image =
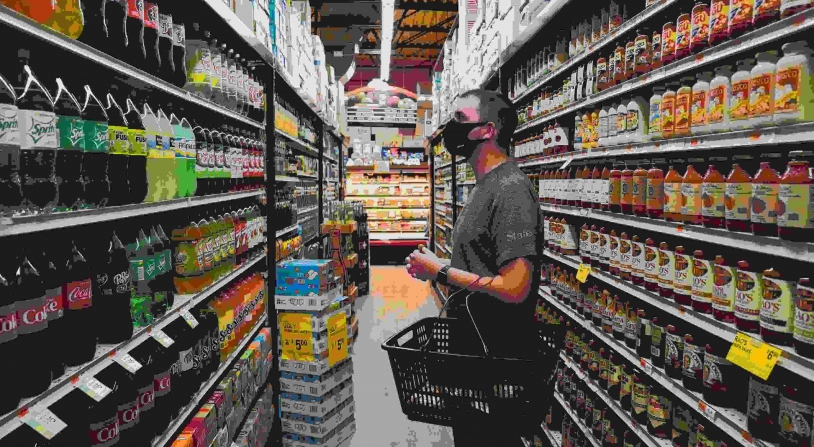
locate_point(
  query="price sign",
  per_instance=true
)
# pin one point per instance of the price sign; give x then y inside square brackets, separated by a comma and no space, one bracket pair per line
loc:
[296,337]
[708,411]
[189,318]
[46,423]
[753,355]
[583,272]
[94,388]
[162,338]
[128,362]
[337,338]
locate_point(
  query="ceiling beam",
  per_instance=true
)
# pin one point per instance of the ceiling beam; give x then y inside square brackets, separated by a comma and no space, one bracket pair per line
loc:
[419,28]
[434,5]
[396,46]
[343,21]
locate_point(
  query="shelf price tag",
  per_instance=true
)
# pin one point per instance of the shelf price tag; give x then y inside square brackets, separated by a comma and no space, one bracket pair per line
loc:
[583,272]
[94,388]
[46,423]
[296,337]
[189,318]
[708,411]
[128,362]
[337,338]
[162,338]
[753,355]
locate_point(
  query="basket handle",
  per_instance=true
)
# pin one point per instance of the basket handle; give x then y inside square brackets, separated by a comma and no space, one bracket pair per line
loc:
[446,301]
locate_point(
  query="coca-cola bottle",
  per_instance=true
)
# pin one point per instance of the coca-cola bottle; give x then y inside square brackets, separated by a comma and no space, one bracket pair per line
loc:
[32,332]
[8,340]
[161,359]
[51,272]
[118,154]
[11,197]
[183,370]
[145,431]
[115,14]
[121,378]
[152,63]
[71,134]
[94,33]
[95,158]
[91,415]
[115,284]
[134,28]
[80,321]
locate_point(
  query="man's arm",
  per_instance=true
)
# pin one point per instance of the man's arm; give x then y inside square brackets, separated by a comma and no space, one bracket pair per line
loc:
[512,285]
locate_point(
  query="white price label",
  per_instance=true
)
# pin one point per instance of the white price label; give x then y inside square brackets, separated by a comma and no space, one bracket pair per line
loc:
[189,318]
[94,388]
[46,423]
[162,338]
[708,411]
[128,362]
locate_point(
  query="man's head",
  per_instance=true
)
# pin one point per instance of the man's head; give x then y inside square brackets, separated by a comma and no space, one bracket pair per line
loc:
[480,116]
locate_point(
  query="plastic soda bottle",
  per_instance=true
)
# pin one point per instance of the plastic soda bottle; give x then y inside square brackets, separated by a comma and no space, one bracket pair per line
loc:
[137,164]
[71,131]
[190,159]
[119,154]
[10,195]
[155,150]
[198,62]
[134,28]
[167,169]
[95,159]
[178,144]
[67,18]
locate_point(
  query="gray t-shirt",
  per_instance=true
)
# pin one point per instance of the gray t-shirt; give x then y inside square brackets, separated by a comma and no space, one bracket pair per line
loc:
[500,222]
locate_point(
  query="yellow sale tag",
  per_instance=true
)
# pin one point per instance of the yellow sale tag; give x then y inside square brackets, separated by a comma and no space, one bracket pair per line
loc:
[337,338]
[582,273]
[296,336]
[753,355]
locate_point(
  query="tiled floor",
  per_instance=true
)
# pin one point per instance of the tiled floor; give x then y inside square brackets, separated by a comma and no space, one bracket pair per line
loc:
[396,301]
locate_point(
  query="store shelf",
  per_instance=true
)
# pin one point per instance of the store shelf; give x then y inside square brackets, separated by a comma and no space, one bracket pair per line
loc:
[307,209]
[771,33]
[206,387]
[467,183]
[790,361]
[587,431]
[298,178]
[731,421]
[393,236]
[373,208]
[554,437]
[32,224]
[536,24]
[594,48]
[800,251]
[444,165]
[389,195]
[443,248]
[19,22]
[286,230]
[766,136]
[398,219]
[302,146]
[624,416]
[105,353]
[393,167]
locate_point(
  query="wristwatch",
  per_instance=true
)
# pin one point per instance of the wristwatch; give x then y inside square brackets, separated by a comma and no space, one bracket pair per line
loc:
[443,276]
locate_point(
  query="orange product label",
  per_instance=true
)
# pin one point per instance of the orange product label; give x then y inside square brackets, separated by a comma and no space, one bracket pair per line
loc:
[619,62]
[761,99]
[627,192]
[699,108]
[642,50]
[655,193]
[602,72]
[740,13]
[668,40]
[672,197]
[700,26]
[739,101]
[691,202]
[795,208]
[682,113]
[712,197]
[639,190]
[716,105]
[668,115]
[764,203]
[766,7]
[683,33]
[787,89]
[719,17]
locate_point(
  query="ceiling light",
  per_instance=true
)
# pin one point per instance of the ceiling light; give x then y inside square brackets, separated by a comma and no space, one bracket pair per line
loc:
[388,9]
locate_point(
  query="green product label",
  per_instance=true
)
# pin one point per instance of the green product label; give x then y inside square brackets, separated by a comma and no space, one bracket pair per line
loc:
[224,245]
[96,136]
[640,398]
[140,310]
[150,269]
[117,140]
[178,147]
[186,259]
[71,133]
[163,262]
[138,142]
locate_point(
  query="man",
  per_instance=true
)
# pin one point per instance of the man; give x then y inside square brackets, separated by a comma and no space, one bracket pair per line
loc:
[496,245]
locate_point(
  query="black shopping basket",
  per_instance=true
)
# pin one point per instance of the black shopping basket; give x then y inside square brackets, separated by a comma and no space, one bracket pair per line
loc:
[443,378]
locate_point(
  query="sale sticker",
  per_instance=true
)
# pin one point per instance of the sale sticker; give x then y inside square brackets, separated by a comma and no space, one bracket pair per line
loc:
[753,355]
[296,336]
[582,273]
[337,338]
[46,423]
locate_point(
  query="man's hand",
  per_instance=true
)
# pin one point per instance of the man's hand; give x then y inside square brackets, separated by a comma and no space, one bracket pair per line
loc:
[423,264]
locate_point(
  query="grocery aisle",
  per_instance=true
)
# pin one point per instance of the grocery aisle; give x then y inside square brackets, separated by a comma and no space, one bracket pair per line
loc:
[395,301]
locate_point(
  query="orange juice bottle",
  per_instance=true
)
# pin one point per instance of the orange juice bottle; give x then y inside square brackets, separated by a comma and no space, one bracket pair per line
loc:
[668,110]
[604,189]
[691,196]
[737,199]
[626,197]
[655,192]
[596,185]
[37,10]
[640,191]
[615,189]
[67,18]
[672,196]
[765,192]
[712,196]
[795,216]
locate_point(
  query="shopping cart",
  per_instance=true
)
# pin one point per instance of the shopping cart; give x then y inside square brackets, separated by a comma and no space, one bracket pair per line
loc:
[444,377]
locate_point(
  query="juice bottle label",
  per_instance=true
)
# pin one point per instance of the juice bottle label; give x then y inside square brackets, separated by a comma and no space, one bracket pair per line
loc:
[740,13]
[199,62]
[619,63]
[673,346]
[187,260]
[602,72]
[658,411]
[633,120]
[737,198]
[615,258]
[799,416]
[642,52]
[723,288]
[666,268]
[655,47]
[96,136]
[639,190]
[39,129]
[627,191]
[702,280]
[719,18]
[603,127]
[712,196]
[630,57]
[625,258]
[117,139]
[693,360]
[672,197]
[637,258]
[683,274]
[764,203]
[667,115]
[804,315]
[651,270]
[795,207]
[691,202]
[655,193]
[761,100]
[776,311]
[9,126]
[71,133]
[604,192]
[700,26]
[699,109]
[787,89]
[621,123]
[177,145]
[749,292]
[138,142]
[683,33]
[764,8]
[717,104]
[639,398]
[154,145]
[682,113]
[668,40]
[739,101]
[655,118]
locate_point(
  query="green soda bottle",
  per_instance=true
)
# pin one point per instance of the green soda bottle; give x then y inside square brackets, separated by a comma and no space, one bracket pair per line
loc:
[168,160]
[155,153]
[189,174]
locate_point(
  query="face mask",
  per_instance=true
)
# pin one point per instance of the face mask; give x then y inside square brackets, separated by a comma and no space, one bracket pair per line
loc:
[456,138]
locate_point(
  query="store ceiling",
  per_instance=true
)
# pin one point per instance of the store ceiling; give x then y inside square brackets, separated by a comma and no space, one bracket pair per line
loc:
[421,27]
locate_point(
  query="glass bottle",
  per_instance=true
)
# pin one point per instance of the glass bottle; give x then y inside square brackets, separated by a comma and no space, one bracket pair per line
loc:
[651,268]
[748,298]
[712,195]
[765,192]
[691,186]
[615,189]
[702,281]
[777,311]
[683,106]
[724,290]
[683,36]
[655,192]
[668,110]
[737,199]
[640,191]
[795,216]
[626,197]
[700,27]
[625,257]
[804,318]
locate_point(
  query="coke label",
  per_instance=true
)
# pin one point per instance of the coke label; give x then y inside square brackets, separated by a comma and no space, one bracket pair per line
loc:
[162,383]
[135,9]
[54,304]
[128,414]
[146,398]
[39,129]
[179,36]
[9,127]
[165,26]
[151,18]
[32,316]
[78,294]
[104,433]
[8,323]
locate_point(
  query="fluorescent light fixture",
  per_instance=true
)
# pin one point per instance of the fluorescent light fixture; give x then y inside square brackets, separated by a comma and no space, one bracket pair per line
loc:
[388,10]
